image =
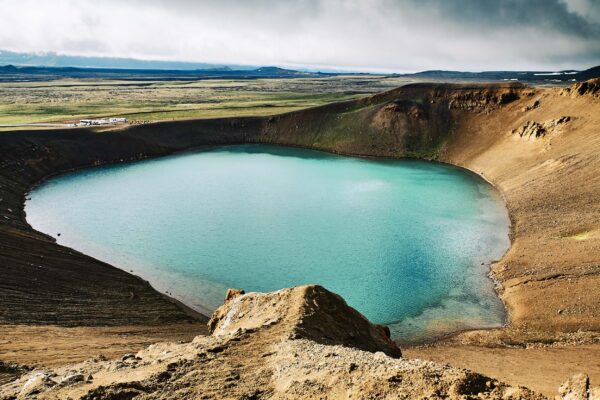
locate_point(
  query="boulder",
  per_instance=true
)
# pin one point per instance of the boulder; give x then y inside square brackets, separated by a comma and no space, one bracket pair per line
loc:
[532,106]
[231,293]
[576,388]
[532,130]
[303,312]
[37,382]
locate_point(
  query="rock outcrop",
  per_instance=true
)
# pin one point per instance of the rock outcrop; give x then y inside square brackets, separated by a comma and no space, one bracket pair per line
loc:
[589,88]
[308,312]
[578,388]
[532,106]
[532,130]
[482,99]
[9,371]
[303,342]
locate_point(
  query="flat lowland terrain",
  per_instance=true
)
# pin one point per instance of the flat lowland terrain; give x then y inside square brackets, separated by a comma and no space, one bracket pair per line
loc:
[69,100]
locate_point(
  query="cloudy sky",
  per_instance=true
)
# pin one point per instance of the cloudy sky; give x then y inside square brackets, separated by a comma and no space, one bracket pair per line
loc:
[367,35]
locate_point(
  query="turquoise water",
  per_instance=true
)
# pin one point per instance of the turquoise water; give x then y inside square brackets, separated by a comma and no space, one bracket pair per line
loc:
[407,243]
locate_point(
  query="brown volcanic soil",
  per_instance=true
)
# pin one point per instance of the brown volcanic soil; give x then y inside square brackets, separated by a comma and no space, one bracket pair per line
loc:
[546,168]
[551,275]
[542,369]
[53,346]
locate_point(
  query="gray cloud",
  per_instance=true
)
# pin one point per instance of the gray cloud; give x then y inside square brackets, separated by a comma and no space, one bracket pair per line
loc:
[374,35]
[539,14]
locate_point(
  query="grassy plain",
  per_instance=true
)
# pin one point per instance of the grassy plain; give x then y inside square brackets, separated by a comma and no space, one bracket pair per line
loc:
[69,100]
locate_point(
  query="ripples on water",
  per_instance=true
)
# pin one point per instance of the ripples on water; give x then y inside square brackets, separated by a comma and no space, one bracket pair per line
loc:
[401,241]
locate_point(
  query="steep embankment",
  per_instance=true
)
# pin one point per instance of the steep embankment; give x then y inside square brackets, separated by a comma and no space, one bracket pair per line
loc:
[538,146]
[412,121]
[41,277]
[43,283]
[550,278]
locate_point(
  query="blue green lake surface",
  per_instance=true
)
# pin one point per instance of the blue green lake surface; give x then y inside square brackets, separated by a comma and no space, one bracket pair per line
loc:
[407,243]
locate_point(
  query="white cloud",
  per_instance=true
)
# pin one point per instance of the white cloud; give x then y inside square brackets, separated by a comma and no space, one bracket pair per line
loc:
[376,35]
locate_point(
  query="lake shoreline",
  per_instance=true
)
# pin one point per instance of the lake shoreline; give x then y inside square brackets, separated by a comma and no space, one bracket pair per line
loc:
[544,308]
[446,323]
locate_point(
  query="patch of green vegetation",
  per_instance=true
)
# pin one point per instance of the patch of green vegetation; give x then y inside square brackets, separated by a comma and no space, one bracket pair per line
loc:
[69,100]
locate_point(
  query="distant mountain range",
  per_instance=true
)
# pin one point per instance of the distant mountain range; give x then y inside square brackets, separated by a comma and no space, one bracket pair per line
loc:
[51,66]
[11,73]
[566,75]
[50,59]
